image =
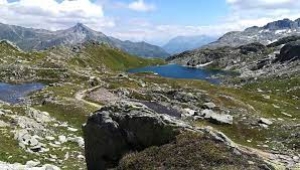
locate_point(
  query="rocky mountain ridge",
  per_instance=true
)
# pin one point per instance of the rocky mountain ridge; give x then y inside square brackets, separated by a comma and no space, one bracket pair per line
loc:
[39,39]
[267,34]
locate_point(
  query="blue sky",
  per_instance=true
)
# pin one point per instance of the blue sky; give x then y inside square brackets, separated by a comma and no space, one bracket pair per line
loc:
[196,12]
[154,21]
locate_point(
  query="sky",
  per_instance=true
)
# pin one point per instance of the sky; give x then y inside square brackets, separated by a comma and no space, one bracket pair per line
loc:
[153,21]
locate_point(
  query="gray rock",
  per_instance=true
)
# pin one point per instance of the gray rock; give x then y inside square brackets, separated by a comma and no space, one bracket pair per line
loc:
[28,142]
[3,124]
[217,118]
[50,138]
[31,164]
[187,112]
[296,158]
[28,123]
[118,129]
[289,52]
[78,140]
[40,117]
[210,105]
[62,139]
[141,83]
[265,121]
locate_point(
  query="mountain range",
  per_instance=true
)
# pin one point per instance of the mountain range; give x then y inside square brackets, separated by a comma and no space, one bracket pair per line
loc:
[183,43]
[253,49]
[40,39]
[267,34]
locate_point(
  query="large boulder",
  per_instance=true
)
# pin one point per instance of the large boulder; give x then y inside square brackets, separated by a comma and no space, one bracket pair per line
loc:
[123,127]
[252,47]
[289,52]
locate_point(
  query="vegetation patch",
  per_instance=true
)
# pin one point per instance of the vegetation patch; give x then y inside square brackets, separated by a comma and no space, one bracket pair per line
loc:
[189,151]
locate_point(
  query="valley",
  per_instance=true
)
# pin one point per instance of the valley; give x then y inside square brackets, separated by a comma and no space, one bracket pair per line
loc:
[98,107]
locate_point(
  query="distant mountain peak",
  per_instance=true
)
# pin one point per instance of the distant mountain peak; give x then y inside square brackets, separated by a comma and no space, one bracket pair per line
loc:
[267,34]
[80,27]
[184,43]
[79,24]
[282,24]
[36,39]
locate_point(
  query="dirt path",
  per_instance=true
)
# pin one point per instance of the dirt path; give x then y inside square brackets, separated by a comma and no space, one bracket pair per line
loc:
[80,95]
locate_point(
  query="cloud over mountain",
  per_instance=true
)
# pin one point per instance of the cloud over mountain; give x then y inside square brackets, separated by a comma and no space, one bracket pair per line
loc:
[53,15]
[145,20]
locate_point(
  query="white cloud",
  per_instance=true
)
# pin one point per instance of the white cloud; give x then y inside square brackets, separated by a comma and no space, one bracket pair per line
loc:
[140,5]
[260,12]
[264,4]
[50,14]
[2,2]
[242,14]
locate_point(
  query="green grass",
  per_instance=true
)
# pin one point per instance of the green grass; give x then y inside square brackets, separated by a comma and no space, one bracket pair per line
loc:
[114,59]
[12,54]
[10,150]
[75,115]
[282,87]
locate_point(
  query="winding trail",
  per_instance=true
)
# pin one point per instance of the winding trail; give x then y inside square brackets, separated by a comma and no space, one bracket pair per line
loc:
[277,160]
[80,95]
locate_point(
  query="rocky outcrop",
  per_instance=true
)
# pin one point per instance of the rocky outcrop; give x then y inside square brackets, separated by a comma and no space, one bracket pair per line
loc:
[220,58]
[116,130]
[289,52]
[126,126]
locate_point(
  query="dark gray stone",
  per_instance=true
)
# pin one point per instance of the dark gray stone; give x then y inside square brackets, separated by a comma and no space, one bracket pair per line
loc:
[116,130]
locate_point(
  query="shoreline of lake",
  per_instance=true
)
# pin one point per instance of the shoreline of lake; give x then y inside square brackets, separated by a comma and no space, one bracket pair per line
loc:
[181,72]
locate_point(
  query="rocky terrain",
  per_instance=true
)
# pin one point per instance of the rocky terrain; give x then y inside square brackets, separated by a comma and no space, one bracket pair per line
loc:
[37,39]
[251,61]
[93,115]
[44,131]
[254,121]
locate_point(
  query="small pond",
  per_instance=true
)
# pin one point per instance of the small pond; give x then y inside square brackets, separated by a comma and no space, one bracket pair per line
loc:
[15,93]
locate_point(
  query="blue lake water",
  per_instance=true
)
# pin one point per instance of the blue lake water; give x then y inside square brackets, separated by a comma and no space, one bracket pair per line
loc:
[14,94]
[181,72]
